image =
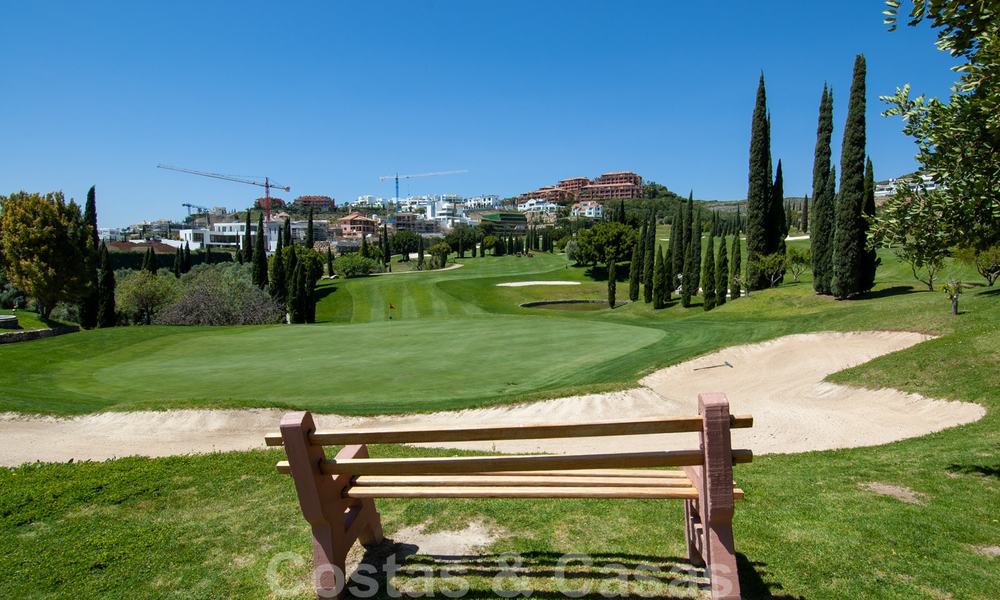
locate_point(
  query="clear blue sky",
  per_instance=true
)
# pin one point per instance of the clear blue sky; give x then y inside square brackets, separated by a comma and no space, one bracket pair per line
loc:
[327,96]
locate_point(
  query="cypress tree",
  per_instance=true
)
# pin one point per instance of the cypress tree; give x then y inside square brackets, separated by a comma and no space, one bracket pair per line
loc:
[649,259]
[696,253]
[668,277]
[187,257]
[277,284]
[687,277]
[294,298]
[308,293]
[804,217]
[105,290]
[688,222]
[869,257]
[150,263]
[633,269]
[329,261]
[721,274]
[239,255]
[759,187]
[778,226]
[612,277]
[364,246]
[659,280]
[677,245]
[640,248]
[735,289]
[310,236]
[821,238]
[178,262]
[847,255]
[420,254]
[708,274]
[260,256]
[247,249]
[289,241]
[91,251]
[208,254]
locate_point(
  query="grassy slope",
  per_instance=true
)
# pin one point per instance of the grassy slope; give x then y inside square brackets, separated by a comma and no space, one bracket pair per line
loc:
[204,527]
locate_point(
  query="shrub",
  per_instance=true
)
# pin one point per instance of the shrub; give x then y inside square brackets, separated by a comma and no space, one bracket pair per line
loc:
[220,295]
[572,252]
[355,265]
[798,261]
[439,255]
[140,295]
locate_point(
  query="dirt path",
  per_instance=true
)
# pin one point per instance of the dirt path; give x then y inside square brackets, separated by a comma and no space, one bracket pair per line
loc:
[779,382]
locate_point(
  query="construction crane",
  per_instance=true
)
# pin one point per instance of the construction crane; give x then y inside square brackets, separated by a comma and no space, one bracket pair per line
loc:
[267,184]
[199,209]
[397,177]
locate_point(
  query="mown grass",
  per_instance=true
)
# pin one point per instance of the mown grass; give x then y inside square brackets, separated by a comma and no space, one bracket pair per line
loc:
[208,526]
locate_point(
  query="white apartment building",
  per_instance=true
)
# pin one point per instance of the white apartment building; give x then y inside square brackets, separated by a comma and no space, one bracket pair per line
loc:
[538,205]
[482,202]
[447,212]
[888,188]
[588,209]
[369,201]
[231,235]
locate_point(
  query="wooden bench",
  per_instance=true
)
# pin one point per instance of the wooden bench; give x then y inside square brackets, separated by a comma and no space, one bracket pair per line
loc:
[337,495]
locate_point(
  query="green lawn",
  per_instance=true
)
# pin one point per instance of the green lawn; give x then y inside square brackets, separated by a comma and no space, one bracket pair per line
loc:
[205,527]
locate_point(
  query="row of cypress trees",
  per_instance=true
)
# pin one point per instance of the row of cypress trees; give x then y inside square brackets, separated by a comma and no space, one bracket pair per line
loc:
[843,265]
[766,223]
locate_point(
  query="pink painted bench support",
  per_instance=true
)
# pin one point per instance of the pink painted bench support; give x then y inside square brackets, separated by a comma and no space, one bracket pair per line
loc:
[337,496]
[709,519]
[337,522]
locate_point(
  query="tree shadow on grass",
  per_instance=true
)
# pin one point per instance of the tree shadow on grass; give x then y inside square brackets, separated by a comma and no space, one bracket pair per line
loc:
[896,290]
[600,273]
[541,575]
[989,292]
[983,470]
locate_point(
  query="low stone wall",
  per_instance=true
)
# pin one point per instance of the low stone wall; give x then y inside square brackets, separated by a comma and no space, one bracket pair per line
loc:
[25,336]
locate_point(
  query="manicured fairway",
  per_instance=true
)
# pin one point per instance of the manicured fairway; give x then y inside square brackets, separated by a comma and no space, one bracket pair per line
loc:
[378,367]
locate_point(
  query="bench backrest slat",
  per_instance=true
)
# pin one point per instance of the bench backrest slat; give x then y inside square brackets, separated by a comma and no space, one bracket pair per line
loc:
[512,432]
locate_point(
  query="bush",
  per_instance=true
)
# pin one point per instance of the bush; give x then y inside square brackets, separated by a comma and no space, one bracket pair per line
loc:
[572,250]
[355,265]
[220,295]
[439,255]
[798,261]
[140,295]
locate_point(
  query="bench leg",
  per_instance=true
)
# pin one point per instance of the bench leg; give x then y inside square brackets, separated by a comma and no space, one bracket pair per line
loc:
[329,562]
[371,533]
[692,533]
[721,559]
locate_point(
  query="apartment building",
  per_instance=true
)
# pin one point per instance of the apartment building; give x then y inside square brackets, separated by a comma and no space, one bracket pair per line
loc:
[589,209]
[613,185]
[317,203]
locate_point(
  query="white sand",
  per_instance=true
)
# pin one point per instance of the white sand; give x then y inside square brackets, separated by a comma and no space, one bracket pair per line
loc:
[779,382]
[526,283]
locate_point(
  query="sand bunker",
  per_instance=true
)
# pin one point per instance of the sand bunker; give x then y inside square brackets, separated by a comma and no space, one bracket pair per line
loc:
[779,382]
[526,283]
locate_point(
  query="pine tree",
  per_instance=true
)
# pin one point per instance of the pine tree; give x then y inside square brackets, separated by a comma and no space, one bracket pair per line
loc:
[105,290]
[260,256]
[677,245]
[633,270]
[708,274]
[612,283]
[804,217]
[869,257]
[821,238]
[847,255]
[649,259]
[659,280]
[90,245]
[759,187]
[310,235]
[721,274]
[277,284]
[329,261]
[247,240]
[735,289]
[696,253]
